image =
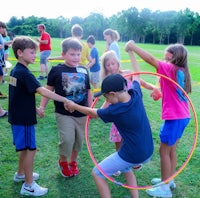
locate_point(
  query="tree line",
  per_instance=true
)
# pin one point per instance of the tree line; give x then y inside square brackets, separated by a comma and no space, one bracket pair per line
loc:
[145,26]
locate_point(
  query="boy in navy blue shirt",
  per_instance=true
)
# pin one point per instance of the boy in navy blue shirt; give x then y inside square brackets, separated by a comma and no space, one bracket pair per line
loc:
[127,112]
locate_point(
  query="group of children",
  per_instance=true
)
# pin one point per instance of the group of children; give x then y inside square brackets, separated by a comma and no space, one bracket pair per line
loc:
[68,84]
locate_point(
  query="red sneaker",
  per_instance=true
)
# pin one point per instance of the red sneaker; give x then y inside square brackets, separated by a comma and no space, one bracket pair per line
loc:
[74,168]
[64,169]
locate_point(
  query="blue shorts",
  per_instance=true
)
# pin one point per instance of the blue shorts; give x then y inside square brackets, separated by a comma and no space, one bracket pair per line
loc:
[44,55]
[114,163]
[24,137]
[172,130]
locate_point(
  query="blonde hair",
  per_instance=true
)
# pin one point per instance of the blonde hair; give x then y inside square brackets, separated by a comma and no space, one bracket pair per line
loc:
[106,57]
[114,34]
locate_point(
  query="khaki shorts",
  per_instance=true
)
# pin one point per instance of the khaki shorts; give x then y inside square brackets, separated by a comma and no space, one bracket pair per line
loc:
[71,133]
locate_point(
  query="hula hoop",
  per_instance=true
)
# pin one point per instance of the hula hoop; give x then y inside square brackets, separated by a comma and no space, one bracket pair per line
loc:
[183,165]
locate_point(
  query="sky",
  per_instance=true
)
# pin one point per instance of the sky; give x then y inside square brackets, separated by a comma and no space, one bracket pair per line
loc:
[83,8]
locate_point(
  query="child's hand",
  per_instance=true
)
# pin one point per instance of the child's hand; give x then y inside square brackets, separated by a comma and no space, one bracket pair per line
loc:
[69,106]
[156,94]
[129,46]
[40,112]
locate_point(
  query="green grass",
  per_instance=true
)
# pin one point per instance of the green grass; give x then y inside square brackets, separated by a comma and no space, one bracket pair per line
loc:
[83,185]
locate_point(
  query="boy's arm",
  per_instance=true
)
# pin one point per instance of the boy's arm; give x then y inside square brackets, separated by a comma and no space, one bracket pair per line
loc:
[44,101]
[49,95]
[91,63]
[134,64]
[71,106]
[55,58]
[90,98]
[147,57]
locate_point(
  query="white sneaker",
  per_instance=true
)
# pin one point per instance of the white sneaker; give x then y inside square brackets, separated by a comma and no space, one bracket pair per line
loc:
[155,181]
[159,192]
[19,178]
[34,190]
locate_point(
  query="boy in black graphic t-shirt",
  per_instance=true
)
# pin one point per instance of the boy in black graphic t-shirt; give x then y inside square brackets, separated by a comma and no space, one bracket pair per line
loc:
[71,81]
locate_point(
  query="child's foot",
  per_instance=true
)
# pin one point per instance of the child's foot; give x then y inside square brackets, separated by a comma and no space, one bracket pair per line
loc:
[64,169]
[19,178]
[33,190]
[74,168]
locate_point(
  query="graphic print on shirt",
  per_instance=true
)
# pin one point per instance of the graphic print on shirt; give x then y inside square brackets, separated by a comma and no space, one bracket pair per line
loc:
[74,86]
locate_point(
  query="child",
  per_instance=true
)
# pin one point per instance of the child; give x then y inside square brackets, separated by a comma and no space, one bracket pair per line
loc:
[77,32]
[22,113]
[175,109]
[127,112]
[94,65]
[111,65]
[71,81]
[112,36]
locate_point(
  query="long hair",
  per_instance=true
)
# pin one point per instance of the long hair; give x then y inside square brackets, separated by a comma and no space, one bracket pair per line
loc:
[179,59]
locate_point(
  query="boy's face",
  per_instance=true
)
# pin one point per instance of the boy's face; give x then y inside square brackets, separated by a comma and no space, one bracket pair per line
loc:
[111,97]
[72,57]
[27,56]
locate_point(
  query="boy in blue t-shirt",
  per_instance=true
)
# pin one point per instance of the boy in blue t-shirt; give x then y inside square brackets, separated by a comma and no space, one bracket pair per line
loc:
[127,112]
[94,64]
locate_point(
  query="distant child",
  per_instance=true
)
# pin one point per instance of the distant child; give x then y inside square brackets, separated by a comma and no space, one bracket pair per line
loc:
[111,65]
[22,113]
[175,109]
[7,45]
[70,80]
[127,112]
[94,65]
[77,32]
[112,36]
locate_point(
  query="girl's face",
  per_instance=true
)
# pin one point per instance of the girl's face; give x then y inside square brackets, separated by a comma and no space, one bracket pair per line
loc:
[112,66]
[168,56]
[72,57]
[107,38]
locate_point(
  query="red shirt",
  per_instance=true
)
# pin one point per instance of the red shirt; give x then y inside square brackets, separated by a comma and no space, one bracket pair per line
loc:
[45,36]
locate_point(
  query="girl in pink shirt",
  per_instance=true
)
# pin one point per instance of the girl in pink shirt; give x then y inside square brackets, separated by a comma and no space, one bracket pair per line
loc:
[175,109]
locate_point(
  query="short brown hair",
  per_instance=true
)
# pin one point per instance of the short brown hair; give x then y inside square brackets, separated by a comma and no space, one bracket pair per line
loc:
[22,43]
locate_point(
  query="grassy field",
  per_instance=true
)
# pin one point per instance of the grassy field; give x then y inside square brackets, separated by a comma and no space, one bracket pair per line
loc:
[82,186]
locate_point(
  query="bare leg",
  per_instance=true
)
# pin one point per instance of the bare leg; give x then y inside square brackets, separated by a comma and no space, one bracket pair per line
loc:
[117,145]
[131,181]
[26,161]
[74,156]
[165,161]
[173,158]
[63,158]
[102,186]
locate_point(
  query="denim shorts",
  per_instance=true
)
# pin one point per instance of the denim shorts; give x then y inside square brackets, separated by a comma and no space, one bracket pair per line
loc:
[172,130]
[44,55]
[114,163]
